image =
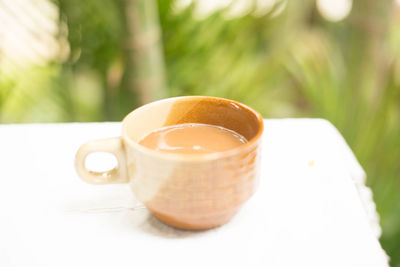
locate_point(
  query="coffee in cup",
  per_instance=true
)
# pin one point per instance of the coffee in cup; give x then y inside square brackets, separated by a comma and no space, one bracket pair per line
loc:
[193,161]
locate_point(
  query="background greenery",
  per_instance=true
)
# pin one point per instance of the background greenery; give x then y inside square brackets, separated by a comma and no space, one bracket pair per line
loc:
[288,64]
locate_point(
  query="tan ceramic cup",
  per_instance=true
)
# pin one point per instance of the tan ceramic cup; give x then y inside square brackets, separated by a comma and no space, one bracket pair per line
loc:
[194,192]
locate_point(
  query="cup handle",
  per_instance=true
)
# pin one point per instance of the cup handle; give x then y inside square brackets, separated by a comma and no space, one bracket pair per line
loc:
[112,145]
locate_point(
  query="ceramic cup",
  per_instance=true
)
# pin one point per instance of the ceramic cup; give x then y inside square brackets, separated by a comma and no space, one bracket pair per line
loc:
[193,192]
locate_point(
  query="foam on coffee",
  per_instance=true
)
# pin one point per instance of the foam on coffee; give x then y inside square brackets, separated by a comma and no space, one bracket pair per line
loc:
[192,138]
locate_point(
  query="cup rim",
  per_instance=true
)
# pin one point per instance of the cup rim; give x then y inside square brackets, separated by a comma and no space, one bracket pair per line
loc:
[192,157]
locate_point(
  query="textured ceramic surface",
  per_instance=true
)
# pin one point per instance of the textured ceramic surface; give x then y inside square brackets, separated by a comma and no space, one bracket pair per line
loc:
[185,191]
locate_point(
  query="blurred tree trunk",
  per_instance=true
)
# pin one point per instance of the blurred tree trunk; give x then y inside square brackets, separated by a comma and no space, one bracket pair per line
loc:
[367,43]
[368,63]
[145,50]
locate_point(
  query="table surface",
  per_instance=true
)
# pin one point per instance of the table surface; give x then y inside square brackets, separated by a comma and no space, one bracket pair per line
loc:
[311,209]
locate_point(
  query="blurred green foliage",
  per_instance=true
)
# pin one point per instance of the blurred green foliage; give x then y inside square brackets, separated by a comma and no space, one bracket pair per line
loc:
[291,64]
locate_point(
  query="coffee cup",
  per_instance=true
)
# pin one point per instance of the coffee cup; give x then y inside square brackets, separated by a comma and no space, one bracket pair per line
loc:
[186,191]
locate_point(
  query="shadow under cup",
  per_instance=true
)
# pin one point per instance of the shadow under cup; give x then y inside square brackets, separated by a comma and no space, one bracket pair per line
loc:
[198,191]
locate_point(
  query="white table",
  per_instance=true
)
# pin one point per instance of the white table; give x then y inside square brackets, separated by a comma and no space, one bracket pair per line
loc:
[312,207]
